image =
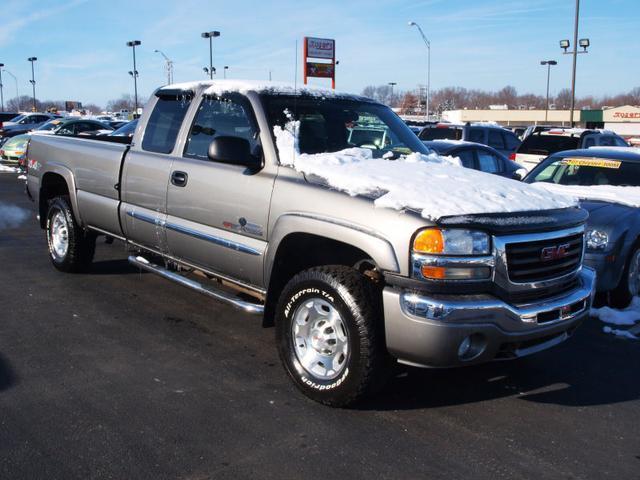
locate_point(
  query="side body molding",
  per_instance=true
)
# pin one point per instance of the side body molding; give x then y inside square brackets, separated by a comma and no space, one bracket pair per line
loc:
[373,243]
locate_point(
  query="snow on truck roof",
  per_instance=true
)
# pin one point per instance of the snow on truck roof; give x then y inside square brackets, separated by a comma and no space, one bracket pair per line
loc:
[217,87]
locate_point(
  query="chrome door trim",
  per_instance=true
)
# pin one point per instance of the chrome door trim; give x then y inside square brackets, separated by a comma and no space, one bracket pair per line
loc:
[223,242]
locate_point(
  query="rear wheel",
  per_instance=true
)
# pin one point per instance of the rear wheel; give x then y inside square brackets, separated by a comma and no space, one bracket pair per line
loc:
[328,330]
[71,249]
[630,283]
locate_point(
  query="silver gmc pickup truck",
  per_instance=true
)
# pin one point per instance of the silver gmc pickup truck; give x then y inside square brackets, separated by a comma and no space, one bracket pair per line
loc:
[201,196]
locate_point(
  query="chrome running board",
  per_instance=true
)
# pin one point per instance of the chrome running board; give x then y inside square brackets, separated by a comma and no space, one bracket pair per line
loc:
[220,295]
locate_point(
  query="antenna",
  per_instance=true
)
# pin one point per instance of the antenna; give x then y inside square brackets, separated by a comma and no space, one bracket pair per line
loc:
[295,74]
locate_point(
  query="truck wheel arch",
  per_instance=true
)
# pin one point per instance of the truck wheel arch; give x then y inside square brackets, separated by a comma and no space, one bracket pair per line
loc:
[299,233]
[57,181]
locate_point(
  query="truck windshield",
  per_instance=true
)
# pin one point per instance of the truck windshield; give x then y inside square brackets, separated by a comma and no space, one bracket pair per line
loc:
[330,124]
[589,171]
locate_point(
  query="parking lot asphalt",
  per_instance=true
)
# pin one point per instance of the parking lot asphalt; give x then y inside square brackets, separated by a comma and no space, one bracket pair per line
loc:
[117,374]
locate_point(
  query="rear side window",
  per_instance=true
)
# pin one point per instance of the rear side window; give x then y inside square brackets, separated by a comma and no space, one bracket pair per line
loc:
[476,135]
[164,123]
[589,142]
[511,141]
[547,144]
[441,134]
[495,140]
[466,157]
[488,162]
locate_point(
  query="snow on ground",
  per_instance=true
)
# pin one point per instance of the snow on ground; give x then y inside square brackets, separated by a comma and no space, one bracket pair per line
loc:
[629,196]
[11,216]
[5,169]
[628,317]
[436,186]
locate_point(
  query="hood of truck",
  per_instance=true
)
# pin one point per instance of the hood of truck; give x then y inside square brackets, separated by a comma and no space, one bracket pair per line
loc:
[519,222]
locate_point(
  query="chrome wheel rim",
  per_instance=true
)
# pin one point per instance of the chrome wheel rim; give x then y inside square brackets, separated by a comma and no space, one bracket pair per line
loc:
[59,234]
[633,280]
[321,339]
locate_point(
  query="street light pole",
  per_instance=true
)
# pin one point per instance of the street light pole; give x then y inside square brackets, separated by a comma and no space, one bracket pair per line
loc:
[428,44]
[1,94]
[15,80]
[224,71]
[210,35]
[548,63]
[133,44]
[33,80]
[169,66]
[565,44]
[392,84]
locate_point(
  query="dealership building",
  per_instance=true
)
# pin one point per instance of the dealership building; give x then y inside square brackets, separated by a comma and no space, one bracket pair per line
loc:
[623,120]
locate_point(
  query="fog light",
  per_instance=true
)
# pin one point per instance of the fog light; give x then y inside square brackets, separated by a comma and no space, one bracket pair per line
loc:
[464,347]
[455,273]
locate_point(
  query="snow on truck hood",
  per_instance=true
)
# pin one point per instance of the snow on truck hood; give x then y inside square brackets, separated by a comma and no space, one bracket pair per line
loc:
[434,185]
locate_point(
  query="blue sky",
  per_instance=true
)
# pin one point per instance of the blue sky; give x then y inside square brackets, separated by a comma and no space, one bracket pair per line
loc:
[487,44]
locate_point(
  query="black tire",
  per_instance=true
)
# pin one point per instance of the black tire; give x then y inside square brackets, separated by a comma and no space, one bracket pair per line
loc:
[81,245]
[622,295]
[358,304]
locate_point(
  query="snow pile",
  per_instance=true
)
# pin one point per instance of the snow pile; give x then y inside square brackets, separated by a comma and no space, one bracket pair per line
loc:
[11,216]
[436,186]
[629,196]
[5,169]
[625,317]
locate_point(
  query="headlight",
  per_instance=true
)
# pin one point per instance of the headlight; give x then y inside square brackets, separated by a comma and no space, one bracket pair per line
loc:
[436,241]
[597,239]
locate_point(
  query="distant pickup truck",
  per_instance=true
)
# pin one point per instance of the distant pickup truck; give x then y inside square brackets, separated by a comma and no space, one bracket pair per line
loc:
[225,188]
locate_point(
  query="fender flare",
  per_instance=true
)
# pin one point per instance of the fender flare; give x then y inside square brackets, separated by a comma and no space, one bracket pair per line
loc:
[69,178]
[373,243]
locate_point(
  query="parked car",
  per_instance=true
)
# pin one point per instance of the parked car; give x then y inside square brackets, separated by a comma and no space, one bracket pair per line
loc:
[24,123]
[13,150]
[126,130]
[216,187]
[479,157]
[7,116]
[71,126]
[116,124]
[501,139]
[601,179]
[544,141]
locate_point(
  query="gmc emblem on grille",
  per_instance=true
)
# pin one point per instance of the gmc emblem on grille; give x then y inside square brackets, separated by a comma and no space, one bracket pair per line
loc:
[555,252]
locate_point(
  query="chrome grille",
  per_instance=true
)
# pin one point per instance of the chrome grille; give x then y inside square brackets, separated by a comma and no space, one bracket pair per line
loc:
[544,259]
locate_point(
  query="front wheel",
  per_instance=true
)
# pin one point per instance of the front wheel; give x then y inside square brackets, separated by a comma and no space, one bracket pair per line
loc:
[328,330]
[630,283]
[70,248]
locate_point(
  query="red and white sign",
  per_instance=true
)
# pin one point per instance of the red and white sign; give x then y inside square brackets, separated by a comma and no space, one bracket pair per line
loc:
[320,47]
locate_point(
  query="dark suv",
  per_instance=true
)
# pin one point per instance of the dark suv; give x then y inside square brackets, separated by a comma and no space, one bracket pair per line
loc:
[501,139]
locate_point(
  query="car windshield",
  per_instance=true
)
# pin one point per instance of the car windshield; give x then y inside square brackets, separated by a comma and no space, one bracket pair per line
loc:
[547,144]
[589,171]
[50,125]
[126,130]
[441,133]
[18,118]
[335,124]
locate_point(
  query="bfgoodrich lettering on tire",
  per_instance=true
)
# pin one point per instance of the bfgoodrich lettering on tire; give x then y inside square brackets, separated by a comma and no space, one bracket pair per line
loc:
[329,335]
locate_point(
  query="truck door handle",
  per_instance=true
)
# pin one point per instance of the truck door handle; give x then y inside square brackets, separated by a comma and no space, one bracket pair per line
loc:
[179,179]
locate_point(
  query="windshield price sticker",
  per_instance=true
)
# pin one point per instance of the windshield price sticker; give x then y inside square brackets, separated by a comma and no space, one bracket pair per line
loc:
[593,162]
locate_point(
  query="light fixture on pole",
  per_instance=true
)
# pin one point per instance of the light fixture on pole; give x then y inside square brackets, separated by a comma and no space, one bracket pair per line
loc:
[207,72]
[1,94]
[33,81]
[548,63]
[133,44]
[211,35]
[15,79]
[428,44]
[169,66]
[582,43]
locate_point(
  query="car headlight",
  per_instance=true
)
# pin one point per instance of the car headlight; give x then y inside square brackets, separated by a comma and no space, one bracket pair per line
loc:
[596,239]
[436,241]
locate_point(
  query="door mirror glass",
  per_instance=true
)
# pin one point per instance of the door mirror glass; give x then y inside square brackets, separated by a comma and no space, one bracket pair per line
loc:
[234,151]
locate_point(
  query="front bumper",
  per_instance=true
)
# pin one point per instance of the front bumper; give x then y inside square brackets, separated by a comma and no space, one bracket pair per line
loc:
[429,330]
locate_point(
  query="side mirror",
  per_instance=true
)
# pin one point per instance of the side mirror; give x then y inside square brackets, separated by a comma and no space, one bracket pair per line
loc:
[519,174]
[234,151]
